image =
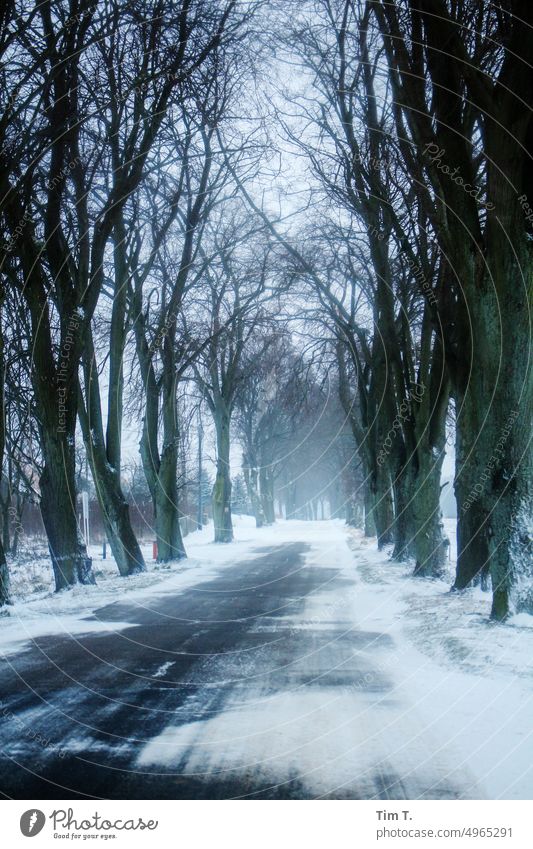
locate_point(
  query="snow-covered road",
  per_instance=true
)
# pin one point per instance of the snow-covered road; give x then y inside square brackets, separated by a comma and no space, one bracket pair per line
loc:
[276,673]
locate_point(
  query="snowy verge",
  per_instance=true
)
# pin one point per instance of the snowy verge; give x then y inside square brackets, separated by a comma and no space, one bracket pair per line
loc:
[470,679]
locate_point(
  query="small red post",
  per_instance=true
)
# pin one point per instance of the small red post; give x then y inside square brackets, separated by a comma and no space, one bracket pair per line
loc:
[154,550]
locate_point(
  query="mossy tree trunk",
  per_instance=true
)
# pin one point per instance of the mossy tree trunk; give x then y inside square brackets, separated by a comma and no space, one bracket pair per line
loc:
[485,236]
[429,545]
[495,485]
[104,451]
[56,394]
[222,487]
[161,465]
[68,552]
[4,571]
[266,478]
[382,508]
[166,504]
[251,476]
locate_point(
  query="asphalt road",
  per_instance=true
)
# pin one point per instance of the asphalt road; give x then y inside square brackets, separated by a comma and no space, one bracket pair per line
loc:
[249,685]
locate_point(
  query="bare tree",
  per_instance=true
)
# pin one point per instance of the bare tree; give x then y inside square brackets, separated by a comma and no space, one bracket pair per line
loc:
[236,286]
[65,181]
[464,134]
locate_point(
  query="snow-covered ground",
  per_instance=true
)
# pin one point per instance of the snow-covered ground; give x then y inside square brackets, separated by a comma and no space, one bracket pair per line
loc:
[466,687]
[472,679]
[457,680]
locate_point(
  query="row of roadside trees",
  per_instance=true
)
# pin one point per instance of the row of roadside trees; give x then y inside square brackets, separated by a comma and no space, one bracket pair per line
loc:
[339,343]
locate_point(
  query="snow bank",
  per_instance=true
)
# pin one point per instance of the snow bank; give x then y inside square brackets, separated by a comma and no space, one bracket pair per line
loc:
[471,679]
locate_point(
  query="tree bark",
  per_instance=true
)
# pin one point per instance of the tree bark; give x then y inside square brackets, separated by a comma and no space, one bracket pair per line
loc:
[250,479]
[170,544]
[370,524]
[429,545]
[114,509]
[381,507]
[104,451]
[494,480]
[222,486]
[266,478]
[70,561]
[488,247]
[4,571]
[496,512]
[404,488]
[472,543]
[6,542]
[161,467]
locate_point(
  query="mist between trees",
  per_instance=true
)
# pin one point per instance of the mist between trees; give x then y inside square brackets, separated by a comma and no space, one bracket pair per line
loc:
[259,227]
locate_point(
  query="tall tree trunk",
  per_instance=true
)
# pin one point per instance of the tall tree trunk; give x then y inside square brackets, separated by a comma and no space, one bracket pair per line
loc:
[266,483]
[370,523]
[222,486]
[115,512]
[494,484]
[56,401]
[250,479]
[167,513]
[379,506]
[68,552]
[419,532]
[6,498]
[18,530]
[352,513]
[404,531]
[4,571]
[472,543]
[5,593]
[489,250]
[105,462]
[429,544]
[117,522]
[161,468]
[6,541]
[170,544]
